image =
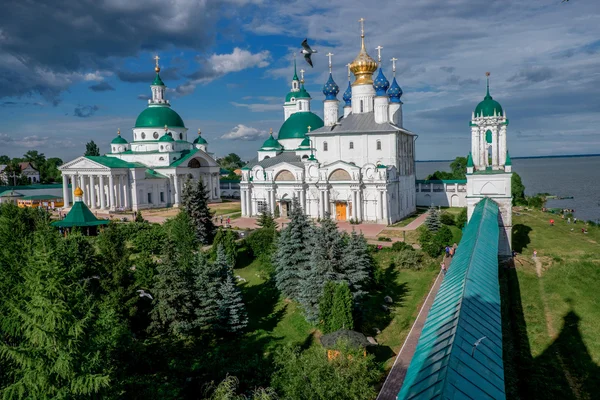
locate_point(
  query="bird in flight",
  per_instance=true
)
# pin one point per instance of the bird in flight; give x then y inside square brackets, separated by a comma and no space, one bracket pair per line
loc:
[307,51]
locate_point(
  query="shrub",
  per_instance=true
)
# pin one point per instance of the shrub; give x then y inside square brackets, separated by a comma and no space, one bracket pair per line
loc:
[399,246]
[409,259]
[384,239]
[444,236]
[447,219]
[261,241]
[461,218]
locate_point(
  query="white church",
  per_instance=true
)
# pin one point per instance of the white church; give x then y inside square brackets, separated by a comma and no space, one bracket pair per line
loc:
[360,166]
[148,172]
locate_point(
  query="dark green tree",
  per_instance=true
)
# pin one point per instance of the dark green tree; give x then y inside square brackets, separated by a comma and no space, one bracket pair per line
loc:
[266,220]
[4,159]
[342,309]
[461,218]
[226,238]
[139,217]
[195,204]
[433,221]
[207,279]
[326,306]
[230,162]
[518,189]
[232,311]
[91,149]
[443,237]
[294,249]
[358,264]
[458,170]
[52,349]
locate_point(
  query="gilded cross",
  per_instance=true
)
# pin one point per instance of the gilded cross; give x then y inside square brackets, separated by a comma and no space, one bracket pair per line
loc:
[362,27]
[271,131]
[302,75]
[156,58]
[329,55]
[308,128]
[348,65]
[379,53]
[393,60]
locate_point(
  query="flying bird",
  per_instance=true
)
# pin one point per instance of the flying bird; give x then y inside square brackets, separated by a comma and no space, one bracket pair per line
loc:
[144,294]
[307,51]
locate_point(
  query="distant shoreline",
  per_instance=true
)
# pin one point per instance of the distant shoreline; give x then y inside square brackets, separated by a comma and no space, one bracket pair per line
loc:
[524,158]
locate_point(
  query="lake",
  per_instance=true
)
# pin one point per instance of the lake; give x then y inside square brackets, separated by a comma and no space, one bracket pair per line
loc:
[560,176]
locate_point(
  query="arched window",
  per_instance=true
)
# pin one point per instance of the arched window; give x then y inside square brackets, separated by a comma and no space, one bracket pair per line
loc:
[266,157]
[180,136]
[155,134]
[300,106]
[143,135]
[324,146]
[304,157]
[379,145]
[361,106]
[351,145]
[162,159]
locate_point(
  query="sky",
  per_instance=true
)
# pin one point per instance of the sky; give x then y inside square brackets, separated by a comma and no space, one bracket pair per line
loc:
[80,70]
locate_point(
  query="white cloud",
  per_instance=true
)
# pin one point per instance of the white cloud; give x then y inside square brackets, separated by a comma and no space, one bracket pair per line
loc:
[269,103]
[243,132]
[238,60]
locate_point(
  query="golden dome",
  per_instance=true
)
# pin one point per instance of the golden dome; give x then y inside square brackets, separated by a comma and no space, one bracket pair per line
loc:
[363,66]
[78,192]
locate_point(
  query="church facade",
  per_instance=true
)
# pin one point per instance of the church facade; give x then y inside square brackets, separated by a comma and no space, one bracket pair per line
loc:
[358,166]
[148,172]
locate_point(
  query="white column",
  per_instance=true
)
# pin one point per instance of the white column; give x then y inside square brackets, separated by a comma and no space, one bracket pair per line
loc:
[359,208]
[73,187]
[243,201]
[249,202]
[65,180]
[380,206]
[111,192]
[101,192]
[92,191]
[217,186]
[125,191]
[119,191]
[385,206]
[176,188]
[353,213]
[321,204]
[327,212]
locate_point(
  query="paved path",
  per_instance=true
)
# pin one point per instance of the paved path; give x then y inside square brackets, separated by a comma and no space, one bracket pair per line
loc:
[393,382]
[410,227]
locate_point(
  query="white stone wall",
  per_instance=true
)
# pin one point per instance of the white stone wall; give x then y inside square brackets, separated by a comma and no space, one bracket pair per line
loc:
[364,149]
[330,112]
[381,109]
[441,194]
[362,99]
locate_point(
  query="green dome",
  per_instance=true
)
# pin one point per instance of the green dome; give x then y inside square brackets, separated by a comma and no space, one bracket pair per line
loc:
[271,143]
[158,117]
[289,96]
[166,138]
[157,81]
[488,105]
[296,126]
[118,140]
[200,140]
[305,143]
[302,94]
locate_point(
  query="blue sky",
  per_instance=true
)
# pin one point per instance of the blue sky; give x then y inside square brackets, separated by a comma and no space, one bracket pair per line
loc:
[79,72]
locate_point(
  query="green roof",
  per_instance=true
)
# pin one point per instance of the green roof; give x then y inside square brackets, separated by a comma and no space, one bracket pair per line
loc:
[157,81]
[80,215]
[305,143]
[200,140]
[166,138]
[302,94]
[113,162]
[119,140]
[289,96]
[459,353]
[33,187]
[185,155]
[230,180]
[152,174]
[158,117]
[508,161]
[271,144]
[11,193]
[41,197]
[488,106]
[470,161]
[296,126]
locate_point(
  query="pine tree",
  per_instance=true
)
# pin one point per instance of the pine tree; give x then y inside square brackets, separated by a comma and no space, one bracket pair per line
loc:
[341,312]
[139,217]
[433,221]
[326,306]
[358,264]
[266,220]
[292,257]
[208,278]
[326,264]
[195,204]
[232,311]
[227,239]
[50,334]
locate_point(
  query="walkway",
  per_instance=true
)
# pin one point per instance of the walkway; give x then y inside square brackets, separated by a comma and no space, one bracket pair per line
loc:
[369,230]
[410,227]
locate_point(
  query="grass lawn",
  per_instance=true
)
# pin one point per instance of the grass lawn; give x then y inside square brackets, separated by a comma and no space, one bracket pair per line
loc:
[226,208]
[552,312]
[408,220]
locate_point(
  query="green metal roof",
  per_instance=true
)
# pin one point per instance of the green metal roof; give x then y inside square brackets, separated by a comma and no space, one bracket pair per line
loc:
[11,193]
[446,363]
[157,81]
[305,144]
[302,94]
[289,96]
[470,161]
[33,187]
[119,140]
[158,117]
[152,174]
[508,161]
[80,215]
[41,197]
[296,126]
[166,138]
[185,155]
[200,140]
[488,107]
[113,162]
[271,144]
[230,180]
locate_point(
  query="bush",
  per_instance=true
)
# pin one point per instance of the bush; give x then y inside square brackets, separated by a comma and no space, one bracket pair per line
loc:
[399,246]
[151,238]
[461,218]
[384,239]
[444,236]
[261,241]
[447,219]
[535,201]
[409,259]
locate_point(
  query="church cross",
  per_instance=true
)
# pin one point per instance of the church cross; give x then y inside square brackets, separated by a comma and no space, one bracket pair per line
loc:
[362,27]
[302,75]
[308,128]
[348,65]
[393,60]
[379,53]
[156,58]
[329,55]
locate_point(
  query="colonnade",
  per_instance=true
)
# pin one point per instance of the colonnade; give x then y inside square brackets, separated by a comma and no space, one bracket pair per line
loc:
[100,191]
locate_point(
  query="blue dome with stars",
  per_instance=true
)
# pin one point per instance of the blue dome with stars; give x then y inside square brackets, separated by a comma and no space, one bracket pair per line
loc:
[381,84]
[348,95]
[330,89]
[395,92]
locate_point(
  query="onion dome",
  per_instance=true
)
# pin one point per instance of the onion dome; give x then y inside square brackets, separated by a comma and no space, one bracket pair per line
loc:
[200,139]
[395,92]
[157,81]
[78,192]
[154,117]
[348,95]
[302,94]
[296,126]
[363,66]
[488,107]
[166,138]
[118,139]
[271,144]
[381,84]
[305,145]
[330,89]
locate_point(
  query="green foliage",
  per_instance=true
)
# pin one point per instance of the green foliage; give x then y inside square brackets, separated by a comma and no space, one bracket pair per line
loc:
[262,242]
[408,258]
[384,239]
[461,218]
[535,201]
[458,169]
[326,306]
[433,221]
[91,149]
[444,236]
[195,204]
[148,238]
[207,280]
[358,265]
[292,257]
[230,162]
[342,309]
[428,244]
[400,246]
[232,311]
[308,375]
[138,217]
[226,238]
[518,189]
[266,220]
[447,218]
[226,390]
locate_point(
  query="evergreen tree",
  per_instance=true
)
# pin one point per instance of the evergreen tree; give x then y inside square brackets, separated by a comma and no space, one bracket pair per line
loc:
[138,217]
[266,220]
[195,204]
[326,306]
[208,278]
[51,351]
[227,239]
[326,264]
[232,311]
[292,257]
[433,221]
[341,311]
[358,264]
[91,149]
